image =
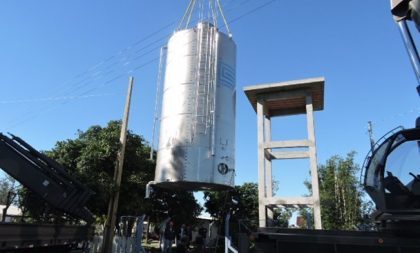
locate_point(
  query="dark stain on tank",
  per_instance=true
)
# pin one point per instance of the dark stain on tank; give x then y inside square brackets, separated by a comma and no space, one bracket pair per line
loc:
[177,162]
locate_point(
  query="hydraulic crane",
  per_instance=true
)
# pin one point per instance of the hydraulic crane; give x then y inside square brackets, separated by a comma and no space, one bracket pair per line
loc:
[391,173]
[50,181]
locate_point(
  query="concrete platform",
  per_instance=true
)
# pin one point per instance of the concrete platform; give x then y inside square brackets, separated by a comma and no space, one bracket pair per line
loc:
[287,98]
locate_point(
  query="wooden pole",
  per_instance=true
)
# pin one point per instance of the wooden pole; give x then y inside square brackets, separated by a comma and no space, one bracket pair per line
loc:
[113,202]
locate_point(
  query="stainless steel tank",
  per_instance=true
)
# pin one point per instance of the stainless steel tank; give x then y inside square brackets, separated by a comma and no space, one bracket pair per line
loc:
[197,128]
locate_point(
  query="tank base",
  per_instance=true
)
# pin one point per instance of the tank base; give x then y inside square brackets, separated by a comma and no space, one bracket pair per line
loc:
[193,186]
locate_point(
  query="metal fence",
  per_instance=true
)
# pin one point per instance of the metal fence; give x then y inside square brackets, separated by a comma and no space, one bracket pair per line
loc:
[127,238]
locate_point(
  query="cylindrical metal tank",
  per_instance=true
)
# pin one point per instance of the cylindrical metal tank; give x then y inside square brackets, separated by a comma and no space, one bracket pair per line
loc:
[197,128]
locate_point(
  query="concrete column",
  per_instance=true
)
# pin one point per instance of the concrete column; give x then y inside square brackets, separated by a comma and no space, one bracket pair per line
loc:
[268,170]
[313,162]
[261,164]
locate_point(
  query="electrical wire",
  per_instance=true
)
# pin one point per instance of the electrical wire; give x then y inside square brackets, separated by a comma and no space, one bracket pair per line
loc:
[109,62]
[251,11]
[106,67]
[35,100]
[95,72]
[48,108]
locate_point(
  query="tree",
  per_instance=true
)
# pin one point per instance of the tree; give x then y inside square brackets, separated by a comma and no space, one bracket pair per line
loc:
[179,205]
[7,194]
[242,202]
[281,216]
[341,195]
[91,159]
[7,185]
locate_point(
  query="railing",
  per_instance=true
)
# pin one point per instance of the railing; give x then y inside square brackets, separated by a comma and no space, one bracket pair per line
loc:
[372,150]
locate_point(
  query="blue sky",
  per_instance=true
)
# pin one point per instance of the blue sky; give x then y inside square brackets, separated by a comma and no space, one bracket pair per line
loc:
[65,64]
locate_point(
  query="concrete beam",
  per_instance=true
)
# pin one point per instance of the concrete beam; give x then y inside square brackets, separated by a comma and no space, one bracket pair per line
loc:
[289,155]
[287,201]
[289,144]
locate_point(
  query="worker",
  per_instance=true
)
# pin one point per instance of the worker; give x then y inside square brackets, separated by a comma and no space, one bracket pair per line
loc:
[182,240]
[201,239]
[139,235]
[168,237]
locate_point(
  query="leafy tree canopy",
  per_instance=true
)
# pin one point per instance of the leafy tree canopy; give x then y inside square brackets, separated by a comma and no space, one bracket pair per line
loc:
[91,158]
[180,206]
[242,201]
[341,196]
[7,185]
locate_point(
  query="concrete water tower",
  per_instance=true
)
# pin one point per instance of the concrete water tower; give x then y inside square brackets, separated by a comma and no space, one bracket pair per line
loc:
[281,100]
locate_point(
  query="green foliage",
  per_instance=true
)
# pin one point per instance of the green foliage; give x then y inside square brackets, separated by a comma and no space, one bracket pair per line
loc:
[341,195]
[281,216]
[180,205]
[7,184]
[91,158]
[242,201]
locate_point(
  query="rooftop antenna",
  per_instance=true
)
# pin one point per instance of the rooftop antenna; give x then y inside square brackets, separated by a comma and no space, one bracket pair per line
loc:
[370,131]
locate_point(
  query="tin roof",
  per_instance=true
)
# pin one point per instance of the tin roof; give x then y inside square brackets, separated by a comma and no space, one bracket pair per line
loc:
[287,98]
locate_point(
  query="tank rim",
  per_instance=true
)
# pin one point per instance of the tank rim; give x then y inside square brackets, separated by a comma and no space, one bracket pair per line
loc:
[193,186]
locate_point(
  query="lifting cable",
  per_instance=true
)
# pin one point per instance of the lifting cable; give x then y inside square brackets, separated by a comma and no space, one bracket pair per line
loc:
[187,15]
[223,17]
[214,5]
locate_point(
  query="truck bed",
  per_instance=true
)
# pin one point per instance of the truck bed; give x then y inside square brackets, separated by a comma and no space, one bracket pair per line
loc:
[314,241]
[57,238]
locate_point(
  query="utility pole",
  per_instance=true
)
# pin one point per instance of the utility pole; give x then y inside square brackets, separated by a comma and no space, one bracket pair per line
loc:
[372,141]
[113,202]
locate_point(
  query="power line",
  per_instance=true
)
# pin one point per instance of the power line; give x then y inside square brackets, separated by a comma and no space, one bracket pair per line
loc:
[83,87]
[252,11]
[48,99]
[124,51]
[103,69]
[31,114]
